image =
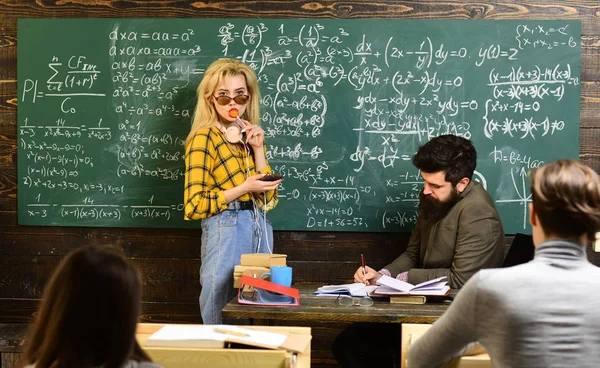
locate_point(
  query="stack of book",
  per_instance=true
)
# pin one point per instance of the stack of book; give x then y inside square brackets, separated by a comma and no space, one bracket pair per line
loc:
[256,264]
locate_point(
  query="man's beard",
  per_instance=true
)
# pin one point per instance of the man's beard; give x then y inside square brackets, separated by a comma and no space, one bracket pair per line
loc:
[433,210]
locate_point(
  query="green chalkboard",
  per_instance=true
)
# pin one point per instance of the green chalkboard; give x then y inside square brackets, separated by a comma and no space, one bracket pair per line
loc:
[104,107]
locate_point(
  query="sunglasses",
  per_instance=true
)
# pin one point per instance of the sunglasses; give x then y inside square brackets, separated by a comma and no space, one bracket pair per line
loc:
[225,100]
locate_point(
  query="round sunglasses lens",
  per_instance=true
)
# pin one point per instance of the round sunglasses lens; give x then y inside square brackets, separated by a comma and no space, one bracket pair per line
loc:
[241,99]
[366,302]
[223,100]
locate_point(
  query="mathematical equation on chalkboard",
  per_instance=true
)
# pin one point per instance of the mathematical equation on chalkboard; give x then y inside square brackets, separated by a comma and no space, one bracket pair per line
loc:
[344,105]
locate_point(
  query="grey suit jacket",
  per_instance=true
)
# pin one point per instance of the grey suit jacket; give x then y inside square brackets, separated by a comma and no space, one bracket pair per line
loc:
[470,237]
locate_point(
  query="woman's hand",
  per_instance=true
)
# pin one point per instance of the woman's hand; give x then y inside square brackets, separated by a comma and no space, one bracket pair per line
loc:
[254,184]
[255,135]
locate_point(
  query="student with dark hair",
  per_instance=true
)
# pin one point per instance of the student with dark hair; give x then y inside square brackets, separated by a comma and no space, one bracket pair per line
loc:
[458,232]
[89,314]
[545,313]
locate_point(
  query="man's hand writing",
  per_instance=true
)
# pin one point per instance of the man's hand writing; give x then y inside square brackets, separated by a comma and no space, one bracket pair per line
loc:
[371,276]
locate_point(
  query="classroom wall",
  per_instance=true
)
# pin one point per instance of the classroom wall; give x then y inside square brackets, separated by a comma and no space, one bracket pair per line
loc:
[169,258]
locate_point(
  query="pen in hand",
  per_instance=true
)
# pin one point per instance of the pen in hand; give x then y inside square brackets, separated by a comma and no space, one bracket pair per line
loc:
[362,258]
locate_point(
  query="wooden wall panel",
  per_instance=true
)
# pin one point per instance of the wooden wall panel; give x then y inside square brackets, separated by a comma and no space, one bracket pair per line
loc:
[9,360]
[169,258]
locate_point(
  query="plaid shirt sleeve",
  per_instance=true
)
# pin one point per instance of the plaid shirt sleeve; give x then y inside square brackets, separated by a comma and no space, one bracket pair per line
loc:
[385,272]
[213,167]
[199,201]
[401,276]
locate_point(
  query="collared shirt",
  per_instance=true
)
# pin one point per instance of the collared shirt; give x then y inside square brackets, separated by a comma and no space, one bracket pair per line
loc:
[212,166]
[401,276]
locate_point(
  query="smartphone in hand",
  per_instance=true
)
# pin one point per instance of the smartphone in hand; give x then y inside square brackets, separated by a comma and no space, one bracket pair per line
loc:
[271,177]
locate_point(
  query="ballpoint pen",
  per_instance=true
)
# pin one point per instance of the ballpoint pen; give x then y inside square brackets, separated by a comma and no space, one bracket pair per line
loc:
[362,258]
[229,332]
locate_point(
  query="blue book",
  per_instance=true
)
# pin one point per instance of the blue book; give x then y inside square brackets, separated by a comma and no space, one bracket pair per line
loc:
[354,289]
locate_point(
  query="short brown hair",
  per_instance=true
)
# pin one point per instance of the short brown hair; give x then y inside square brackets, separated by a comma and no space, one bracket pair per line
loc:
[566,198]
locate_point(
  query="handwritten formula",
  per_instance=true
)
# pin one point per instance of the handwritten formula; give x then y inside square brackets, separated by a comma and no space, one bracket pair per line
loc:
[105,106]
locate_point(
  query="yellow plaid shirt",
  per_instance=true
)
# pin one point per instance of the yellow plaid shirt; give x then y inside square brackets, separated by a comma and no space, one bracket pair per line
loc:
[213,166]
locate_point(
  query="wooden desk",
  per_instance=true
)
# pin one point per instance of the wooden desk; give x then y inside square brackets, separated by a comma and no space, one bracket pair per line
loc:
[195,357]
[325,309]
[412,332]
[12,336]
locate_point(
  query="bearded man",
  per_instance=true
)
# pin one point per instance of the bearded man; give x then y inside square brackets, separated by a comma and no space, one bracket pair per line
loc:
[458,232]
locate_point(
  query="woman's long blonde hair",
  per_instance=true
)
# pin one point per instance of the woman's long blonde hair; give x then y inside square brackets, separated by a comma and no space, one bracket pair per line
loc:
[205,115]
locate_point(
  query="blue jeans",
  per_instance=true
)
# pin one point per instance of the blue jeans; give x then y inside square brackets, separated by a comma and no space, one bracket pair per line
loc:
[225,237]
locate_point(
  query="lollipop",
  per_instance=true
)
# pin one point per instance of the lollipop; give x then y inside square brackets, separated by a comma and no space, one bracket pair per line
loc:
[234,113]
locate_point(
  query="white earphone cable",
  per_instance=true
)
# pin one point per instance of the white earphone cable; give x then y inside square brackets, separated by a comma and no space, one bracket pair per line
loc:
[265,222]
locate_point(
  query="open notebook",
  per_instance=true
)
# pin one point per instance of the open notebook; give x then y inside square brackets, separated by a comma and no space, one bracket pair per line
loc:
[215,336]
[388,286]
[391,286]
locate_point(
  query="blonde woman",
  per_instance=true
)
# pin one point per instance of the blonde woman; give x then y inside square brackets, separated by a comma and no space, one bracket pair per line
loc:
[225,162]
